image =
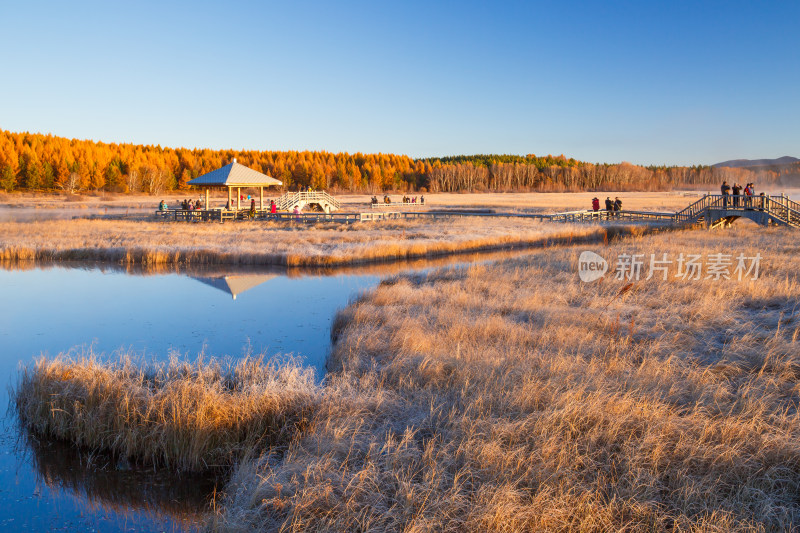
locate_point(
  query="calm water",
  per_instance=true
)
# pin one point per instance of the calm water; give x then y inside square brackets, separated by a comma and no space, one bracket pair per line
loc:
[46,487]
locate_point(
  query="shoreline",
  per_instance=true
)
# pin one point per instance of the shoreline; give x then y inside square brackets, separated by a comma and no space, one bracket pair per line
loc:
[120,243]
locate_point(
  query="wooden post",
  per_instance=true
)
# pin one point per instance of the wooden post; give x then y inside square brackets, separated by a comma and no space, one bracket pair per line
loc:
[261,203]
[238,198]
[207,206]
[229,198]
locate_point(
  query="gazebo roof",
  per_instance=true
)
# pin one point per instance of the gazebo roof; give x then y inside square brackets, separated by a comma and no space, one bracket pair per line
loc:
[235,174]
[236,284]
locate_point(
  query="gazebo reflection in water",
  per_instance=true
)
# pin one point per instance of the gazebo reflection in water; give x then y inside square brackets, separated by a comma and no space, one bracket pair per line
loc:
[235,284]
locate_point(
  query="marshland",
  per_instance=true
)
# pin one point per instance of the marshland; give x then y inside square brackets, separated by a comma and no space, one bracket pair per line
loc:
[224,306]
[470,391]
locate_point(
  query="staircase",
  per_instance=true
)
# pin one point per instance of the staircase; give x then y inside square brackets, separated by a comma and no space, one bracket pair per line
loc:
[325,201]
[784,211]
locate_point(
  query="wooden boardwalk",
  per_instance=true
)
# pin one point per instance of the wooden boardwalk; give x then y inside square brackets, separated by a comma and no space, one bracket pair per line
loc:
[712,210]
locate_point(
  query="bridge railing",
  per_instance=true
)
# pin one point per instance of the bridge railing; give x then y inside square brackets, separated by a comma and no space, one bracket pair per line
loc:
[791,210]
[695,209]
[293,198]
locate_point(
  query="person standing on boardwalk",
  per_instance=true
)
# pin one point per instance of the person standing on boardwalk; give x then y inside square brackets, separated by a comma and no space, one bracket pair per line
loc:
[252,208]
[737,191]
[747,195]
[726,190]
[273,209]
[617,204]
[609,204]
[595,204]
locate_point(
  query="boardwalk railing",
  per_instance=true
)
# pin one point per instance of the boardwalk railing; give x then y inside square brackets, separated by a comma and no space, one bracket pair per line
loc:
[594,216]
[397,205]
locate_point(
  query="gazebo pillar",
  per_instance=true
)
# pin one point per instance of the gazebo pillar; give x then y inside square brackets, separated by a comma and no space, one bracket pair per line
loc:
[229,198]
[207,206]
[261,203]
[238,198]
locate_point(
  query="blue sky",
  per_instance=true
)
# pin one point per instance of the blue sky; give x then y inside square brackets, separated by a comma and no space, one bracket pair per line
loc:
[647,82]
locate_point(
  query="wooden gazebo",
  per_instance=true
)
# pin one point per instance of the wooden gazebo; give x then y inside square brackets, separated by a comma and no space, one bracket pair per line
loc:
[235,176]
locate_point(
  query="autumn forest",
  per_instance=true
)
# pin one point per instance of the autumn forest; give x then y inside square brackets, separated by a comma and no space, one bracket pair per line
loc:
[38,162]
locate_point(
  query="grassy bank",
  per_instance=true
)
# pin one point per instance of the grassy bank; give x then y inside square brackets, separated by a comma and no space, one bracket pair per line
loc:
[185,416]
[520,399]
[499,397]
[274,243]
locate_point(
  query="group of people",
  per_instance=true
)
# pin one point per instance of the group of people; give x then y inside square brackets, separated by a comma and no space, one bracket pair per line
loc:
[616,205]
[406,200]
[748,191]
[190,204]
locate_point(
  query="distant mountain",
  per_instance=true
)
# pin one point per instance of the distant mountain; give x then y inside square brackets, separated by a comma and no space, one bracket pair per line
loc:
[744,163]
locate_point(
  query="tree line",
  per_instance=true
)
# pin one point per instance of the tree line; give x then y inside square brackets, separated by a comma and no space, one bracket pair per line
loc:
[32,161]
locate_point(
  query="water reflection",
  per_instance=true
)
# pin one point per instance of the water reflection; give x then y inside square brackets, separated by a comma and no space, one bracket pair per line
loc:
[102,483]
[235,284]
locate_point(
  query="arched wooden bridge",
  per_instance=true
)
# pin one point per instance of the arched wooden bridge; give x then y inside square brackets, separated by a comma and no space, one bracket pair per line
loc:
[715,210]
[318,200]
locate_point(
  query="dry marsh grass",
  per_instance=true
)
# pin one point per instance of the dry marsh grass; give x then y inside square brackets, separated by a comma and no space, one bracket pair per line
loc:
[518,399]
[273,243]
[185,416]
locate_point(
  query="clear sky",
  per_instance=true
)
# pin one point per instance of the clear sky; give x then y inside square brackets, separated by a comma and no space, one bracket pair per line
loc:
[649,82]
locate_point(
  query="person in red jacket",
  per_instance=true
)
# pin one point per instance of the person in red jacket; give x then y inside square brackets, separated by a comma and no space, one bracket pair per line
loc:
[596,204]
